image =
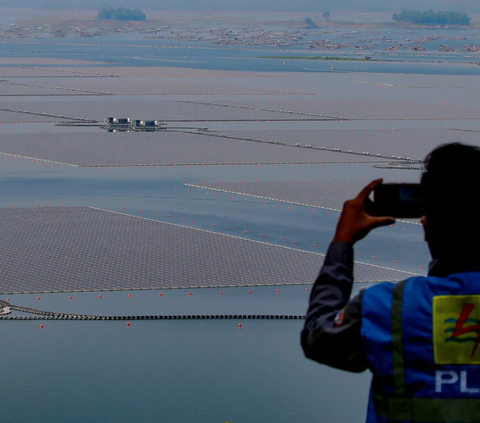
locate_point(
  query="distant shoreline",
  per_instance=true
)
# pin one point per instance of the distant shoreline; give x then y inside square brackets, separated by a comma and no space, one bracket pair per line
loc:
[352,59]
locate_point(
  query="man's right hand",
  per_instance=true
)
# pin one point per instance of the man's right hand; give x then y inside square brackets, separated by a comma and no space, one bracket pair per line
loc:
[355,223]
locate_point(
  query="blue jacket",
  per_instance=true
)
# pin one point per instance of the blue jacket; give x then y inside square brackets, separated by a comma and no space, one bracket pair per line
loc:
[421,340]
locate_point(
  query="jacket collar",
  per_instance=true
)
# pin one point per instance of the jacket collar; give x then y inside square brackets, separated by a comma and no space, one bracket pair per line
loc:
[443,267]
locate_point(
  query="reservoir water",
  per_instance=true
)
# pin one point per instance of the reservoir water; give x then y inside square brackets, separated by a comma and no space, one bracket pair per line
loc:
[194,371]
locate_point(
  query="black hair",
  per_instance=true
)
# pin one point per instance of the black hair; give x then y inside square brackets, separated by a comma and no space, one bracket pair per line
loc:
[450,198]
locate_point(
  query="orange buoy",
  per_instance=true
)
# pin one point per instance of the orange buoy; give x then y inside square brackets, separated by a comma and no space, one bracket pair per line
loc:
[41,326]
[129,295]
[278,290]
[239,325]
[221,293]
[189,293]
[99,296]
[306,289]
[128,324]
[248,292]
[69,298]
[394,261]
[38,298]
[160,294]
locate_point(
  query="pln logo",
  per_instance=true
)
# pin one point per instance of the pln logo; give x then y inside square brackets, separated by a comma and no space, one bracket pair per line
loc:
[456,329]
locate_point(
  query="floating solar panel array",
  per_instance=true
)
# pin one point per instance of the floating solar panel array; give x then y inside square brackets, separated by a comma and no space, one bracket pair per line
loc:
[145,86]
[147,109]
[160,148]
[358,109]
[413,143]
[10,90]
[40,72]
[18,117]
[83,249]
[171,72]
[51,61]
[321,194]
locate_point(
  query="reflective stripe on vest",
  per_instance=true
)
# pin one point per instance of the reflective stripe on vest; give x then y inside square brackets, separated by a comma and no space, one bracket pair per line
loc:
[427,410]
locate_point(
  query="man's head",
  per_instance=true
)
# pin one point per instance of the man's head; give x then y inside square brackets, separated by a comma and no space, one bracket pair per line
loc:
[451,202]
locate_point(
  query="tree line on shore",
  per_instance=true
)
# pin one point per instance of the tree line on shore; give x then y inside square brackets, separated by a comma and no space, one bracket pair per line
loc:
[121,14]
[432,18]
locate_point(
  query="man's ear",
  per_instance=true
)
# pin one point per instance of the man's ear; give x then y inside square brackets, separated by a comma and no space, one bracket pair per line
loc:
[426,227]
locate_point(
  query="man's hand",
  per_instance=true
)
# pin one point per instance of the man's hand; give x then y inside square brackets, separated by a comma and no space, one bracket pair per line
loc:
[355,223]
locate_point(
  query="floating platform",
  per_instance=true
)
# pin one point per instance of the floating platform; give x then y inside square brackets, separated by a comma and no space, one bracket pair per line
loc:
[68,249]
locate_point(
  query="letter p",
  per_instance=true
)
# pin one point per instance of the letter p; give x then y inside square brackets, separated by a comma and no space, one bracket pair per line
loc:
[446,377]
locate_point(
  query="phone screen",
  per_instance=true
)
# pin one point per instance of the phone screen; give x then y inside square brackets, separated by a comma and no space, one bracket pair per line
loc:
[397,200]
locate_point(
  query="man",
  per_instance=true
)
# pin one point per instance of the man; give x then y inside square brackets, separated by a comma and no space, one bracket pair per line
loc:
[421,337]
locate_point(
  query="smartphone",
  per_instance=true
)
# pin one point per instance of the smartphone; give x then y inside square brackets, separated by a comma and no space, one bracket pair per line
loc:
[397,200]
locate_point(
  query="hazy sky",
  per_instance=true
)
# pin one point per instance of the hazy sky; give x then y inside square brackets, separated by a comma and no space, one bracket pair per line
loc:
[273,5]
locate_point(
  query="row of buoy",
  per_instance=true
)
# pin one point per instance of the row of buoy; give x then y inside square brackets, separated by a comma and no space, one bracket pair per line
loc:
[161,294]
[128,325]
[158,317]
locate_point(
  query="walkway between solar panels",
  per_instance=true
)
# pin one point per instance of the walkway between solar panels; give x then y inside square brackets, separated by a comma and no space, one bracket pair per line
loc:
[6,308]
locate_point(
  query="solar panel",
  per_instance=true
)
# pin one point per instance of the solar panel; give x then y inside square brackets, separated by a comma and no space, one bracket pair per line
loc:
[160,148]
[60,249]
[144,86]
[358,109]
[147,109]
[413,143]
[321,194]
[19,117]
